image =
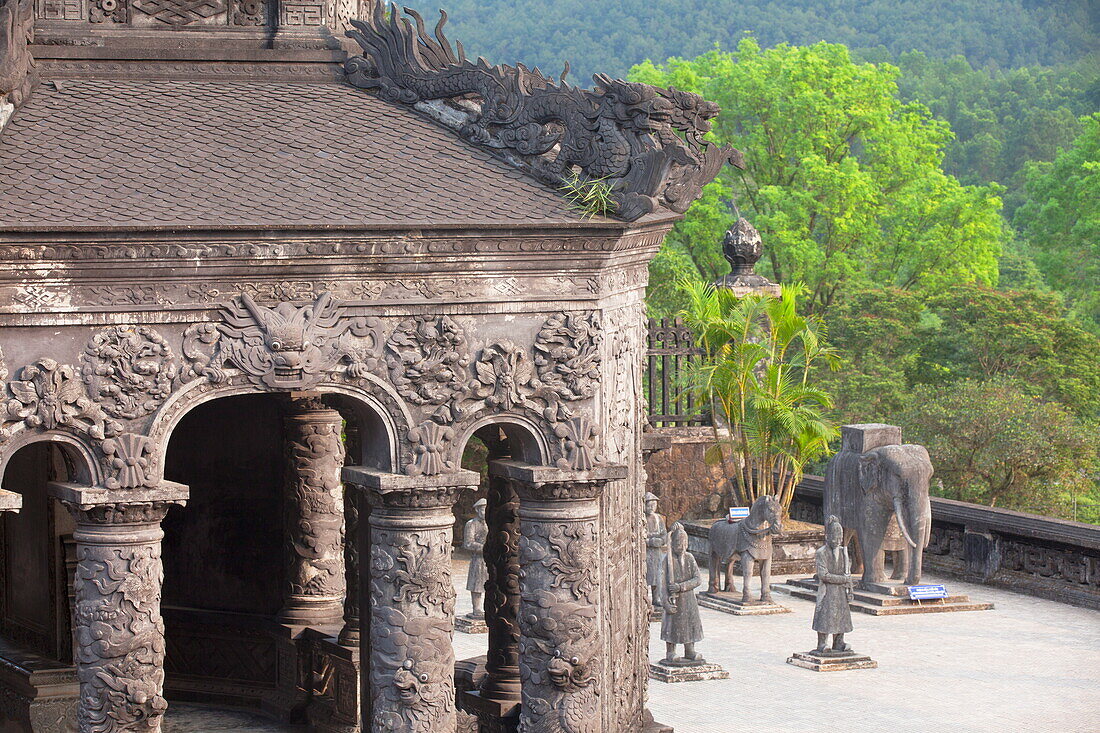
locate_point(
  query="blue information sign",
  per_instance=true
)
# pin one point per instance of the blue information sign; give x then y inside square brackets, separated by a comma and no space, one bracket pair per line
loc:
[737,513]
[926,592]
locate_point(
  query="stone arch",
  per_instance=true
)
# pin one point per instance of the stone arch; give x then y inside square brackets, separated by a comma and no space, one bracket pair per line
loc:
[375,401]
[79,456]
[527,431]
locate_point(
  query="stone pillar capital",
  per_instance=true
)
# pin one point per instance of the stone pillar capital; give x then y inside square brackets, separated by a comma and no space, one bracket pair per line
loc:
[552,484]
[96,505]
[400,491]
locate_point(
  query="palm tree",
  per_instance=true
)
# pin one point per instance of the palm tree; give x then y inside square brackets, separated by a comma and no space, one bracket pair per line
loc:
[756,370]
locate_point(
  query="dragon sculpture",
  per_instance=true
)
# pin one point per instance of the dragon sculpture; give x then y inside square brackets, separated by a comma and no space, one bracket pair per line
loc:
[644,142]
[17,69]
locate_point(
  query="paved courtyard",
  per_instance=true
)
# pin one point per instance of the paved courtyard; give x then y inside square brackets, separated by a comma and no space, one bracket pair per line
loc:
[1029,665]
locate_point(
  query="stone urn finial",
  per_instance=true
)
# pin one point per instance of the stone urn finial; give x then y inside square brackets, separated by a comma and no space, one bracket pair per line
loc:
[742,247]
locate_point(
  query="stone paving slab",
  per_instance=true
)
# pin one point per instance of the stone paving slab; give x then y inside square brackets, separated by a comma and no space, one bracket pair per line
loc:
[1028,666]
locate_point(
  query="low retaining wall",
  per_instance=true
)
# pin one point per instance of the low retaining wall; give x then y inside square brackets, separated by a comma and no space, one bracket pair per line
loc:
[1049,558]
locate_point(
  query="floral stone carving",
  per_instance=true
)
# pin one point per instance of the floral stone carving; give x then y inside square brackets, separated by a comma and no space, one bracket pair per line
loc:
[431,445]
[288,347]
[49,396]
[645,142]
[427,357]
[128,459]
[129,370]
[503,371]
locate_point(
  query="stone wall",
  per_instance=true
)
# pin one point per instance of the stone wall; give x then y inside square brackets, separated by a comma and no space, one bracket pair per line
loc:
[1049,558]
[678,474]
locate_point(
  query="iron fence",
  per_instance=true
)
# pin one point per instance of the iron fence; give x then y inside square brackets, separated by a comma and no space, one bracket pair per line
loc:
[670,349]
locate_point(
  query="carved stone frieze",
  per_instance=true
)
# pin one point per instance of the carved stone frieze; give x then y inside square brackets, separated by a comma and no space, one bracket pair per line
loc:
[250,12]
[645,142]
[577,443]
[50,396]
[428,359]
[129,370]
[314,514]
[567,355]
[288,347]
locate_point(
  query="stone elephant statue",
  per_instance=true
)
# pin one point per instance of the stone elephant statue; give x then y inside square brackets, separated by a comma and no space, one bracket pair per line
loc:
[872,479]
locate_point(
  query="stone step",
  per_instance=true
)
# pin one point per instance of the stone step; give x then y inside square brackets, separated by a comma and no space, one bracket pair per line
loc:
[886,606]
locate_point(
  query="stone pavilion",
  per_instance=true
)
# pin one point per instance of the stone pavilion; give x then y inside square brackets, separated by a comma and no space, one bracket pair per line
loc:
[260,285]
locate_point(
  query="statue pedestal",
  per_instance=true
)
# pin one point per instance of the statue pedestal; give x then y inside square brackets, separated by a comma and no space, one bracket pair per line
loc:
[831,661]
[884,599]
[686,671]
[470,625]
[732,603]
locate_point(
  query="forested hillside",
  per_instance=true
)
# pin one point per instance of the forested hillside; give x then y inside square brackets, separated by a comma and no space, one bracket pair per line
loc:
[612,35]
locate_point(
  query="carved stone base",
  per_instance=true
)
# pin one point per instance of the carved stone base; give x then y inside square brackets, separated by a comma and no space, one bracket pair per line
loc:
[664,672]
[890,600]
[831,661]
[469,625]
[732,603]
[36,693]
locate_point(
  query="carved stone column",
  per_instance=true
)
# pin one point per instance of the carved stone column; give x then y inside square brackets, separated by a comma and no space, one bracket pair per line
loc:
[412,599]
[117,627]
[560,619]
[314,514]
[497,701]
[353,515]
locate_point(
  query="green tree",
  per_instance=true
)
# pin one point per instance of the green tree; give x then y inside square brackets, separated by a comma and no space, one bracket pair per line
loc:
[1061,220]
[993,443]
[978,334]
[759,354]
[842,179]
[876,331]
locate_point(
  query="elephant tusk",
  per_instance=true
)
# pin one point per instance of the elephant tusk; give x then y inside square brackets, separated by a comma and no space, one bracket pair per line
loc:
[901,523]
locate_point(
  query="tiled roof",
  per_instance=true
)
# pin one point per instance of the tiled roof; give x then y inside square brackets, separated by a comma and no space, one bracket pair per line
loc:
[142,154]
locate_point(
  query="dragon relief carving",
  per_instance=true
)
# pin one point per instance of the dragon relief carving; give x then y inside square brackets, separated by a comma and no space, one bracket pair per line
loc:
[559,657]
[567,356]
[427,358]
[18,75]
[129,370]
[288,347]
[49,396]
[119,637]
[412,610]
[645,142]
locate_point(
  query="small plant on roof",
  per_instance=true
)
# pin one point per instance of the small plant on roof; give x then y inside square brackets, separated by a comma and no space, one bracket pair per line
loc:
[590,196]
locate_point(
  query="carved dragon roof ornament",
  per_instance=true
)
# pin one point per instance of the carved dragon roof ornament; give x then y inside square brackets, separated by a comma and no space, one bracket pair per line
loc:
[644,142]
[17,68]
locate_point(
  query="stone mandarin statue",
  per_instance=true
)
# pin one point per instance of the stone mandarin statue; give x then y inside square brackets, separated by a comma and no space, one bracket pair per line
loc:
[834,591]
[656,543]
[473,539]
[679,579]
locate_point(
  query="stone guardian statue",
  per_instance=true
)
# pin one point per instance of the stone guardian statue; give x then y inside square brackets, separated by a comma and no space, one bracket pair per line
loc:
[656,544]
[679,578]
[473,539]
[832,615]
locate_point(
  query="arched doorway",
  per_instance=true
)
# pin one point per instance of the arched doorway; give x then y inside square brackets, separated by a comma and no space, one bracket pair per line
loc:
[37,560]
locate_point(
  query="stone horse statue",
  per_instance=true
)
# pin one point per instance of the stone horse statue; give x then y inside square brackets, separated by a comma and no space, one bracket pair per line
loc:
[751,540]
